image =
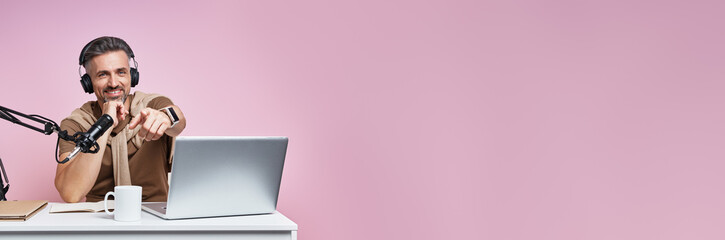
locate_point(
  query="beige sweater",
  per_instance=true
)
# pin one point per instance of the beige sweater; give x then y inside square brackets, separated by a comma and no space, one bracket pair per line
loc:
[84,117]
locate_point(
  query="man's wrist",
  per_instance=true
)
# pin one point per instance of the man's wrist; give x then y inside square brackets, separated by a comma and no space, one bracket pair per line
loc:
[173,117]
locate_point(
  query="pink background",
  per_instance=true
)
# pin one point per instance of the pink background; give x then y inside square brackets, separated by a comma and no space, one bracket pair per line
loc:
[418,119]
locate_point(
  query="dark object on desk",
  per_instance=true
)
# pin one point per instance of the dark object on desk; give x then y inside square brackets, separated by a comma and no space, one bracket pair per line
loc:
[20,210]
[3,188]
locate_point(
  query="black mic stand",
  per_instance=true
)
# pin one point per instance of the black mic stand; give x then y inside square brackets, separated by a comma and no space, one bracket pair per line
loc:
[49,126]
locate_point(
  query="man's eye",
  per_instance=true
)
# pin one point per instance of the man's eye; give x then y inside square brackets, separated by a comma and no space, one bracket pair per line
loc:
[101,75]
[122,72]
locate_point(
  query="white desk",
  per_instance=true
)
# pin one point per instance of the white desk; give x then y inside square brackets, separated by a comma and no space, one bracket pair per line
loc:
[99,225]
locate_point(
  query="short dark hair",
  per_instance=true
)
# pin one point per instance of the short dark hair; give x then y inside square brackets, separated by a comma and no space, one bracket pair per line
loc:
[103,45]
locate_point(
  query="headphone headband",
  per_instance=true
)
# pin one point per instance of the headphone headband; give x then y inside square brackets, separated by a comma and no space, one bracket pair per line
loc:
[82,59]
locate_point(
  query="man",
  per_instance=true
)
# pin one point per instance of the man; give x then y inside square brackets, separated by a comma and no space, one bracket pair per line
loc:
[137,149]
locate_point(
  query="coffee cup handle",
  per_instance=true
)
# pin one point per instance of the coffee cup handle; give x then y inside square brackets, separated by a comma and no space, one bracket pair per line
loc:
[105,203]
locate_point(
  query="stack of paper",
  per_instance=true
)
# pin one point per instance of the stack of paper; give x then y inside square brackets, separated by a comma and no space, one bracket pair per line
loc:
[80,207]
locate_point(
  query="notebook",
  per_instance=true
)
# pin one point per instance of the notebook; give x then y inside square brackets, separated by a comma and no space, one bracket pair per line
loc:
[20,210]
[223,176]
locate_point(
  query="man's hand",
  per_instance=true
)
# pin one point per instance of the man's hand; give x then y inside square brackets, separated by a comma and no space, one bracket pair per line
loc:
[153,124]
[116,110]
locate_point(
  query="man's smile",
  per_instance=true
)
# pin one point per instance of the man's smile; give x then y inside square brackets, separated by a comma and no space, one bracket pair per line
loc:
[114,94]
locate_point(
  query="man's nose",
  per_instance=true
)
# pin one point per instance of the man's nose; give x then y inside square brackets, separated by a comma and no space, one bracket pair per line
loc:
[113,81]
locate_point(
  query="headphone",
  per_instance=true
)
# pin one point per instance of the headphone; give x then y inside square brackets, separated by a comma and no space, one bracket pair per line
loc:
[86,79]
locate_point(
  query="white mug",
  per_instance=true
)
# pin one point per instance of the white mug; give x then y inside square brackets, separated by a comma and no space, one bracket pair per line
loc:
[127,204]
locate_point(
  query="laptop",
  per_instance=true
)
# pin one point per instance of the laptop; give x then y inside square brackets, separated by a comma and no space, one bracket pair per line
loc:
[223,176]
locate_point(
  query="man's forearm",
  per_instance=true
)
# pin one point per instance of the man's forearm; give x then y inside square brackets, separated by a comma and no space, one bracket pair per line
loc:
[76,178]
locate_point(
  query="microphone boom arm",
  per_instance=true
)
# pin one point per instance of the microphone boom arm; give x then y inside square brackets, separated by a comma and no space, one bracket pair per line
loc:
[48,128]
[48,125]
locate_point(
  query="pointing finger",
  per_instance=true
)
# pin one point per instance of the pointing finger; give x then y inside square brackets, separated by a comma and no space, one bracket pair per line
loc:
[134,122]
[138,119]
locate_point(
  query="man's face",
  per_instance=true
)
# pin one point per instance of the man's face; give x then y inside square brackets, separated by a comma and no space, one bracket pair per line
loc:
[110,76]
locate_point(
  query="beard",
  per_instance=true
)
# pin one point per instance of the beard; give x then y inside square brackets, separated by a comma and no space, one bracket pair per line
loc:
[121,98]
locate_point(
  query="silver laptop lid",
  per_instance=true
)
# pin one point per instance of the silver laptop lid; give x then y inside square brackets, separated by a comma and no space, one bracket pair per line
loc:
[225,176]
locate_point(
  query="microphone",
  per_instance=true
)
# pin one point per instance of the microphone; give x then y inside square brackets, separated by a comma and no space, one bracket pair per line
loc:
[84,141]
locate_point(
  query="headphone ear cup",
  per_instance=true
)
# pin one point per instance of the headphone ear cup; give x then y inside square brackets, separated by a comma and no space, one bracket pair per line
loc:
[134,77]
[86,83]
